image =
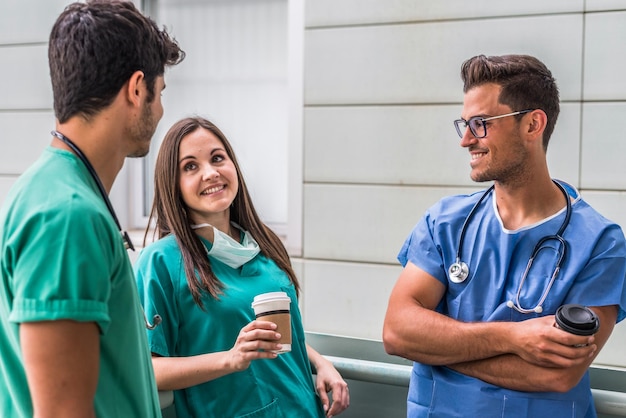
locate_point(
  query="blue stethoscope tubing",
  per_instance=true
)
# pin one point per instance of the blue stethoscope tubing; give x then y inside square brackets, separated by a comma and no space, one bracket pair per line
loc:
[459,270]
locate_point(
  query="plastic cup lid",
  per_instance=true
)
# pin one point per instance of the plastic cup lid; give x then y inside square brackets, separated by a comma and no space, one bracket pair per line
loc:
[271,296]
[577,319]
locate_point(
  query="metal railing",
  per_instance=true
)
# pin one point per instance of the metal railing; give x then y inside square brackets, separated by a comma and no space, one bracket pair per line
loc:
[376,367]
[607,402]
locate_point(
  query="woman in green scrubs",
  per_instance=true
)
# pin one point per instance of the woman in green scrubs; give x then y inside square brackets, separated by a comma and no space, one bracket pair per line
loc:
[212,257]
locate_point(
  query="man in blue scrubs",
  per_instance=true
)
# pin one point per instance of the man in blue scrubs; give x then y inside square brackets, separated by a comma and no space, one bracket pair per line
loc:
[468,308]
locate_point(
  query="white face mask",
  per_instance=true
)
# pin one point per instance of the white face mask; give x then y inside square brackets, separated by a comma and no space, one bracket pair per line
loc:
[229,251]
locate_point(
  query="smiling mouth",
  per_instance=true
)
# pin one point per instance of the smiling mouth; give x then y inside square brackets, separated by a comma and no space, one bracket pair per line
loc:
[213,190]
[478,155]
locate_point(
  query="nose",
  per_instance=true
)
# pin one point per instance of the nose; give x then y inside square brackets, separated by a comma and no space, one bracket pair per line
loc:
[468,138]
[210,173]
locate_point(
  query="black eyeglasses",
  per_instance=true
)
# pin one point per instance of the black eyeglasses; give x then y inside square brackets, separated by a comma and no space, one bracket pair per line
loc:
[478,124]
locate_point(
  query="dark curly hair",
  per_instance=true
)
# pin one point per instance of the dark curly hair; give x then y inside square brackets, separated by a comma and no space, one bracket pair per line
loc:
[96,46]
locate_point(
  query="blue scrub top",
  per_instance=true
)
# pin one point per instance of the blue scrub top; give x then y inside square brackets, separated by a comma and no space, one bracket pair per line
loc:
[593,274]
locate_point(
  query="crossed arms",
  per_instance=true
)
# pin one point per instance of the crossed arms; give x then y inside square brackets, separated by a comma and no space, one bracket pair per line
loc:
[531,355]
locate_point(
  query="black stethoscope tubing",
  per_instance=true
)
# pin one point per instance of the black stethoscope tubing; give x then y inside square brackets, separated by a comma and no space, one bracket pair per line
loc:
[156,319]
[92,172]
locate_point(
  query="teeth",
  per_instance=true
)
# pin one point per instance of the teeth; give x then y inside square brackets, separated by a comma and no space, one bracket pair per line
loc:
[477,156]
[212,190]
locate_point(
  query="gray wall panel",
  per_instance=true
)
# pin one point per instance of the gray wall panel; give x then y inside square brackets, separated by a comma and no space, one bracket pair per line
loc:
[605,37]
[5,184]
[25,135]
[410,145]
[603,146]
[25,83]
[364,223]
[354,297]
[595,5]
[27,21]
[351,12]
[405,64]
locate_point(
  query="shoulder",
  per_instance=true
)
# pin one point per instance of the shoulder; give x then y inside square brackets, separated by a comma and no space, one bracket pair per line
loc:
[458,205]
[54,203]
[162,251]
[56,183]
[592,223]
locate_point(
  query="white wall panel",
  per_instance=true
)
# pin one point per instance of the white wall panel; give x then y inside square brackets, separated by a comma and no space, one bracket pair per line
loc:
[605,37]
[405,63]
[609,204]
[613,352]
[5,184]
[353,296]
[564,145]
[384,145]
[364,223]
[298,267]
[27,21]
[410,145]
[351,12]
[594,5]
[24,136]
[24,78]
[603,146]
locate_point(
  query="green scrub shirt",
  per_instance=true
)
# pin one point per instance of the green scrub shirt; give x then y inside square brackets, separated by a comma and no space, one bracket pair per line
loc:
[272,388]
[63,258]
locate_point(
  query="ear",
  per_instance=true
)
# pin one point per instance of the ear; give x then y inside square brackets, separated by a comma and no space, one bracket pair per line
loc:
[536,123]
[136,88]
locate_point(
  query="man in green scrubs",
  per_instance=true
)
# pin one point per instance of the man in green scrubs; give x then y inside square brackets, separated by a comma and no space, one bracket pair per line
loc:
[72,332]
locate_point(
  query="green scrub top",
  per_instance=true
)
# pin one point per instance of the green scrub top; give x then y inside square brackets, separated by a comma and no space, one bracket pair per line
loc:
[272,388]
[63,258]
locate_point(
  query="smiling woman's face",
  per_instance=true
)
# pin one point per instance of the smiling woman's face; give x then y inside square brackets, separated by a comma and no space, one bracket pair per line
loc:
[208,177]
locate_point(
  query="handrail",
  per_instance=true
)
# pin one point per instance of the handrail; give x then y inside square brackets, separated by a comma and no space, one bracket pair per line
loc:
[606,401]
[166,398]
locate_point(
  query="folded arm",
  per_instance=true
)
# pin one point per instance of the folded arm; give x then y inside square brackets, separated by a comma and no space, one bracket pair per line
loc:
[556,367]
[531,355]
[254,342]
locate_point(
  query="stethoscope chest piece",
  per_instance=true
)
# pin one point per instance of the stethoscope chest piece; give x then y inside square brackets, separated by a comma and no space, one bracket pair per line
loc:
[458,272]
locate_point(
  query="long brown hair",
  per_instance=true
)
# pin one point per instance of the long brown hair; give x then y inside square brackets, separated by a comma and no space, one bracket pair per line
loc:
[170,214]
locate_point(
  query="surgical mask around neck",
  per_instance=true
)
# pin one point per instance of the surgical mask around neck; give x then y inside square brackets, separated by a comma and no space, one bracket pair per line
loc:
[229,251]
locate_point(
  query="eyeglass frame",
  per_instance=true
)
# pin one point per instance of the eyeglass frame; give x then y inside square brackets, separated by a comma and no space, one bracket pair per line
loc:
[483,120]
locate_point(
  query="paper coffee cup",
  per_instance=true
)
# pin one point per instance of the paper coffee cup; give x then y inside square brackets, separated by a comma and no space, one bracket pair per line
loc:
[275,307]
[577,319]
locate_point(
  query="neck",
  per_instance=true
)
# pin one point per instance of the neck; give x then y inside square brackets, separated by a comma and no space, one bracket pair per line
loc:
[101,154]
[222,225]
[522,206]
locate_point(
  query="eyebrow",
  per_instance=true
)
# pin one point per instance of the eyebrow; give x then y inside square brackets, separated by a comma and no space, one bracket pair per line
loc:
[480,115]
[187,157]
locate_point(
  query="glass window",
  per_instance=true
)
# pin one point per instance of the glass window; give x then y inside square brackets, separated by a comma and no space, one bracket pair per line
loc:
[235,74]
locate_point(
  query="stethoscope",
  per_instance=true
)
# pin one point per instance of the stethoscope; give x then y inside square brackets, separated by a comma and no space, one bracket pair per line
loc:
[128,244]
[459,271]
